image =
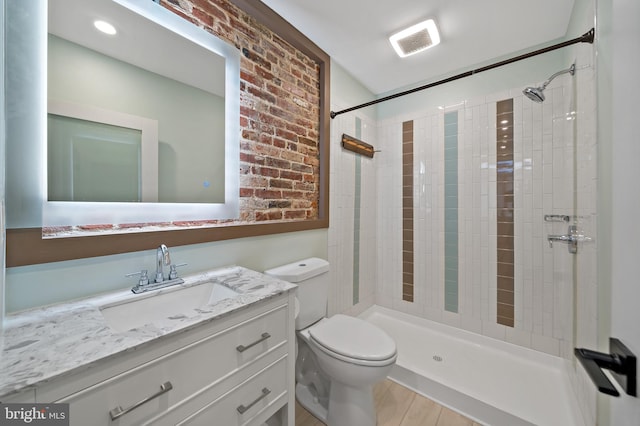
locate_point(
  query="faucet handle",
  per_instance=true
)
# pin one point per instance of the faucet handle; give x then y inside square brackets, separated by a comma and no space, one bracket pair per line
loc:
[144,277]
[173,274]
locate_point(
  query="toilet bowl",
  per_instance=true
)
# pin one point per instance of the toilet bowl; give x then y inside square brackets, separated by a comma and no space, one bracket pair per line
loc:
[339,358]
[354,355]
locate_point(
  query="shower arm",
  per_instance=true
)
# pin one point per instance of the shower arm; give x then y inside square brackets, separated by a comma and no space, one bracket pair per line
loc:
[571,70]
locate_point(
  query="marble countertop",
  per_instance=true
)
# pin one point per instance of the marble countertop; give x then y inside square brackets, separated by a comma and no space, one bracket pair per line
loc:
[42,344]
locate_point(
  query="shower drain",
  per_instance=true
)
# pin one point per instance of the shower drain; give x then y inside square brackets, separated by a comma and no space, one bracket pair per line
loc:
[437,358]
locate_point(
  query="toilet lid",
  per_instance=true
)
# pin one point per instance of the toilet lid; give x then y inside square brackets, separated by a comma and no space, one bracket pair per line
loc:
[353,338]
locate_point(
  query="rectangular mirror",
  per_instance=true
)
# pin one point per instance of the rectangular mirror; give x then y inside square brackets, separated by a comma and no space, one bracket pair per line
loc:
[130,133]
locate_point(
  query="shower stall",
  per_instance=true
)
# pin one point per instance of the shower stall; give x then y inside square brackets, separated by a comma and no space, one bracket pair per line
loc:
[483,212]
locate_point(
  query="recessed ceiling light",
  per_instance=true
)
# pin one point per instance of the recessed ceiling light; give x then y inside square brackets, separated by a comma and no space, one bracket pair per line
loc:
[105,27]
[415,39]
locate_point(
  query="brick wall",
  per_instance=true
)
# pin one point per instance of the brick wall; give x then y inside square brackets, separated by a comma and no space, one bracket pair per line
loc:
[279,114]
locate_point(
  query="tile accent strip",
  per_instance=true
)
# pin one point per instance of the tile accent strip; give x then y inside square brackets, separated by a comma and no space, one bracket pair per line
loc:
[505,209]
[356,218]
[451,211]
[407,211]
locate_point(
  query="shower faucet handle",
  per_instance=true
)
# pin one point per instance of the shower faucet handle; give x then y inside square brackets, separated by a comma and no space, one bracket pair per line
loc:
[573,237]
[560,238]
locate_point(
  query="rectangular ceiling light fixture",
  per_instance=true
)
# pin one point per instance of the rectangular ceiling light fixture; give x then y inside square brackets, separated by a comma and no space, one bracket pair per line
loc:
[416,38]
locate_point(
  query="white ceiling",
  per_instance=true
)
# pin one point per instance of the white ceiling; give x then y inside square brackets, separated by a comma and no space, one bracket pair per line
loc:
[355,33]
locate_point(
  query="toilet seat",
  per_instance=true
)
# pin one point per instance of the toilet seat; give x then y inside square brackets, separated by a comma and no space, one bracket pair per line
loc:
[353,340]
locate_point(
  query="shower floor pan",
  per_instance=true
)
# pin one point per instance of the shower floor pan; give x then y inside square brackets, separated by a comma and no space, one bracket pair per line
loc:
[491,381]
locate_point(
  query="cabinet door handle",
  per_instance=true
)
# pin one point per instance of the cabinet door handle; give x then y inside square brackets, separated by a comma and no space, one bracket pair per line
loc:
[263,337]
[243,408]
[119,411]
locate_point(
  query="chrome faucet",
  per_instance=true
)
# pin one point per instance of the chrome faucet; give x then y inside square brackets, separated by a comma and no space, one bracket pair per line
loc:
[162,257]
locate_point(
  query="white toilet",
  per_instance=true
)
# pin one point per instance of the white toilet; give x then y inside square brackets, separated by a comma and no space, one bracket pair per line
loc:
[339,358]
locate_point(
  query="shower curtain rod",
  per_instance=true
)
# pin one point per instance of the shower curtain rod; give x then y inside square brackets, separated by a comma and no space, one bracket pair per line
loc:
[587,37]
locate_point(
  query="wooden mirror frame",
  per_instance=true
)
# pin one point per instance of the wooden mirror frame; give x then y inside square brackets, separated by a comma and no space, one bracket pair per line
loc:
[25,246]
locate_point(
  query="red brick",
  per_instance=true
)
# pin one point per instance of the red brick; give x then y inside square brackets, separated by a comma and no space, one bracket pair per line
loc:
[266,171]
[261,94]
[287,174]
[286,134]
[267,194]
[312,178]
[251,78]
[295,214]
[277,142]
[229,8]
[303,168]
[279,183]
[251,159]
[292,156]
[202,16]
[246,192]
[270,215]
[305,186]
[97,227]
[307,141]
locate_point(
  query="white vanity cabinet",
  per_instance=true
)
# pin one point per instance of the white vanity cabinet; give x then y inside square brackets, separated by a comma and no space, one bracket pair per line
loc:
[237,370]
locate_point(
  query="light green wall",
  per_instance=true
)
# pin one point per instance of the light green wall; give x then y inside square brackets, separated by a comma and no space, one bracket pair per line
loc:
[346,92]
[38,285]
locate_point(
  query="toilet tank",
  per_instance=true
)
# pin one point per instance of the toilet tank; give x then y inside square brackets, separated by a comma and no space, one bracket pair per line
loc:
[312,277]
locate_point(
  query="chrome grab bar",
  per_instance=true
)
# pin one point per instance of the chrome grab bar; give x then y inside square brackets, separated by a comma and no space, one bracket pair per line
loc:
[119,411]
[243,408]
[263,337]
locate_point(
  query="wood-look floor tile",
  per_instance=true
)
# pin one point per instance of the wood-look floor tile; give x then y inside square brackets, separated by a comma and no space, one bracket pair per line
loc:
[422,412]
[399,406]
[380,389]
[394,405]
[304,418]
[451,418]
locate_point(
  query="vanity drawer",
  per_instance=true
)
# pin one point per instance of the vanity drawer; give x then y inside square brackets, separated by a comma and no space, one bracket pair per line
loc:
[249,345]
[259,395]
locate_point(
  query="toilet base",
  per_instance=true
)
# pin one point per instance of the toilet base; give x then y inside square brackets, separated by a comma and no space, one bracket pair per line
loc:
[310,402]
[350,406]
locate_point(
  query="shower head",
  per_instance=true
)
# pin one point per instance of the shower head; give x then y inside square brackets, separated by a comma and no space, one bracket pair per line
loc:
[536,94]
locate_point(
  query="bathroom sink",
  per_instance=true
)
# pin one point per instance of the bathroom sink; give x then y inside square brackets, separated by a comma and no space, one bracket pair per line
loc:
[154,306]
